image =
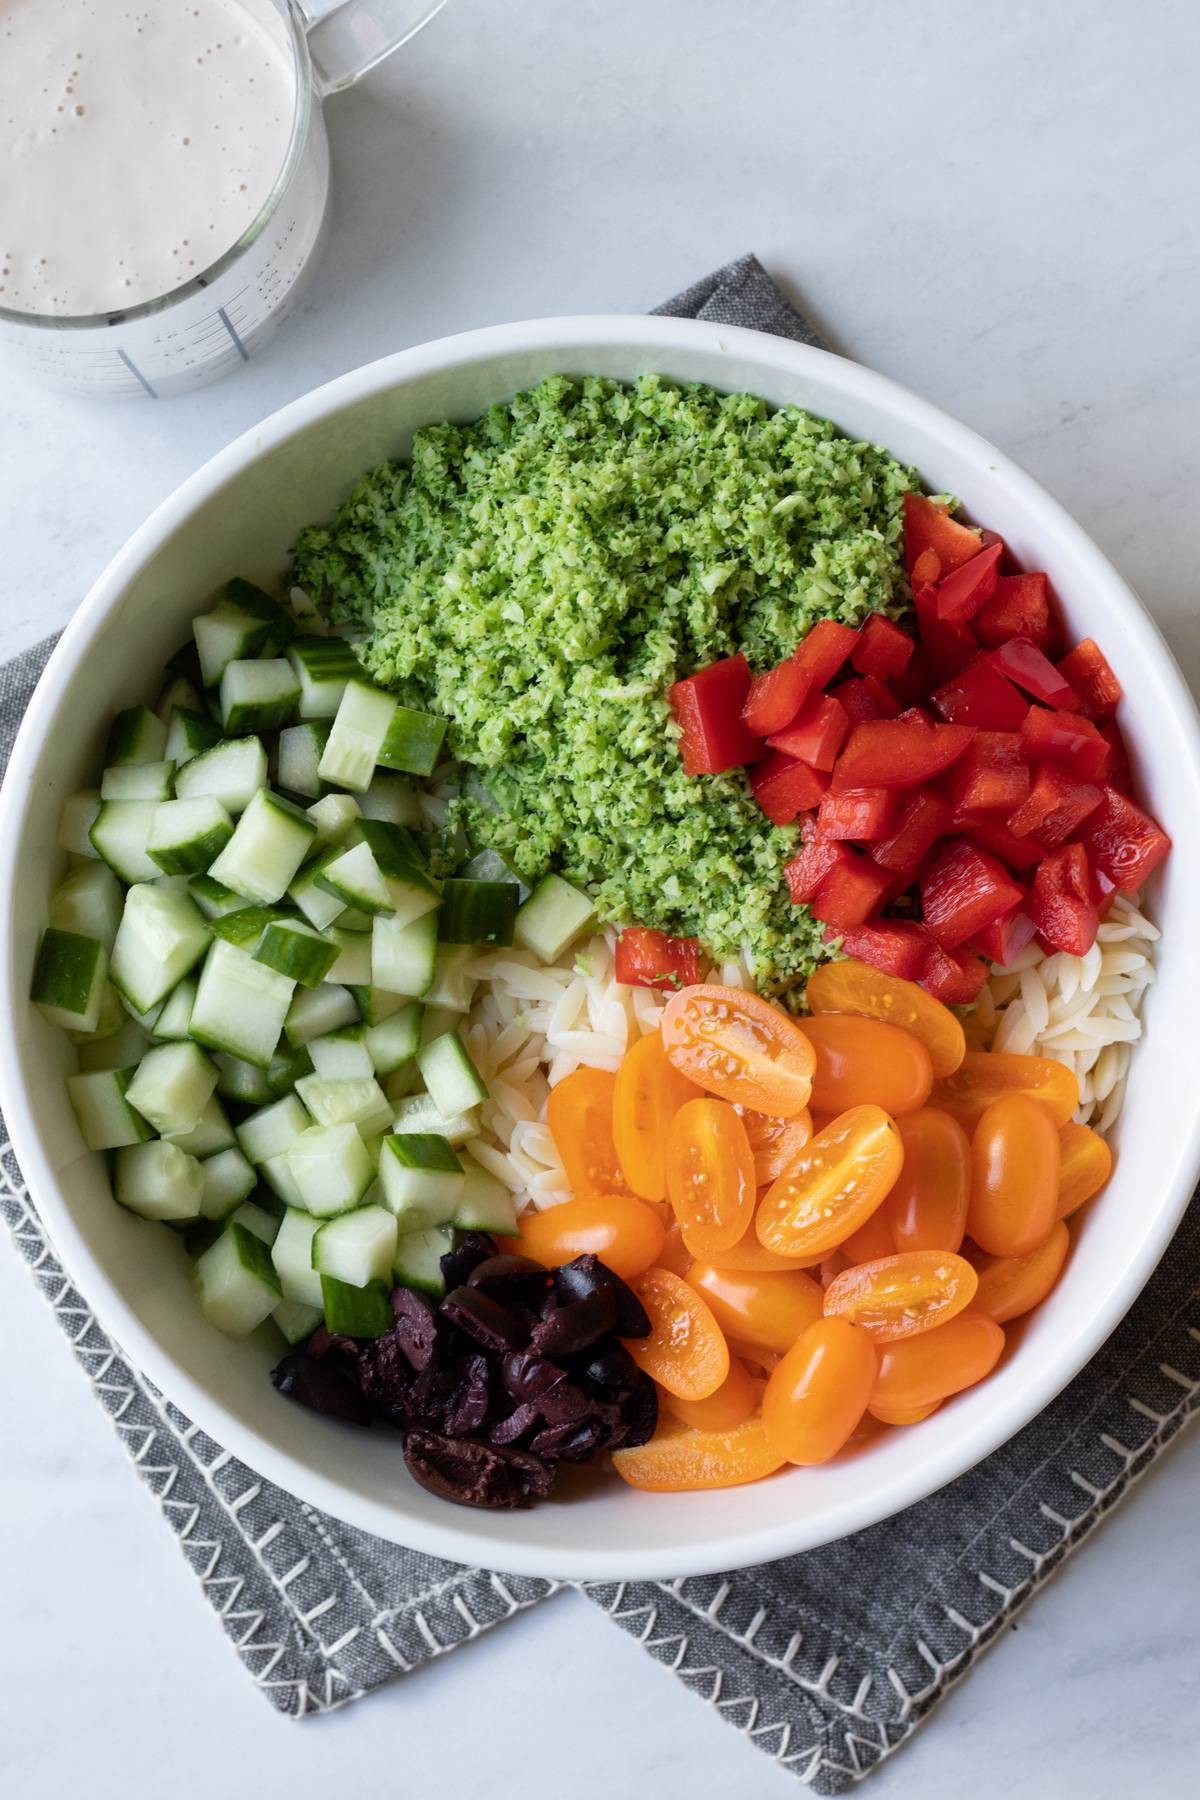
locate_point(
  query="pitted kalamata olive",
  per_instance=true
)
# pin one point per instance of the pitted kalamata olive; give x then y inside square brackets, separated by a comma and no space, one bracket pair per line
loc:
[321,1385]
[576,1280]
[483,1319]
[473,1473]
[574,1327]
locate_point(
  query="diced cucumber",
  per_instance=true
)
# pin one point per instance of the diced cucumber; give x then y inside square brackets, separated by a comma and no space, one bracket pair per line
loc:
[489,865]
[307,615]
[277,1173]
[75,823]
[352,957]
[421,1179]
[173,1084]
[119,835]
[269,843]
[322,667]
[158,1180]
[211,1133]
[212,897]
[376,1004]
[294,948]
[242,1082]
[477,912]
[342,1056]
[138,781]
[245,925]
[235,1281]
[137,736]
[232,772]
[335,816]
[346,1102]
[178,696]
[175,1016]
[417,1112]
[90,902]
[394,1040]
[299,753]
[355,1312]
[451,986]
[391,798]
[315,1012]
[451,1078]
[244,622]
[353,920]
[68,979]
[228,1180]
[404,956]
[292,1255]
[319,906]
[189,734]
[120,1049]
[554,915]
[161,936]
[263,1224]
[240,1004]
[286,1067]
[381,874]
[109,1019]
[261,695]
[331,1168]
[186,835]
[356,1247]
[418,1262]
[297,1321]
[147,1020]
[413,742]
[360,727]
[106,1119]
[273,1129]
[485,1204]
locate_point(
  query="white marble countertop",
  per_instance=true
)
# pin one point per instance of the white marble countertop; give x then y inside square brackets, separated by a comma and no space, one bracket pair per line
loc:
[1001,216]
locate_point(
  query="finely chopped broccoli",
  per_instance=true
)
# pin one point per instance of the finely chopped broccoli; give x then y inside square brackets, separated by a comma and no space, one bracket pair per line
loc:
[542,575]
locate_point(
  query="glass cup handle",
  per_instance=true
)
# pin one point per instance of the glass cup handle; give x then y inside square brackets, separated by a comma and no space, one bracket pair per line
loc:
[347,40]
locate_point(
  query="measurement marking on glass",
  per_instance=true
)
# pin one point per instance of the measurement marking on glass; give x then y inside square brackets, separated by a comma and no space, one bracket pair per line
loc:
[135,371]
[228,324]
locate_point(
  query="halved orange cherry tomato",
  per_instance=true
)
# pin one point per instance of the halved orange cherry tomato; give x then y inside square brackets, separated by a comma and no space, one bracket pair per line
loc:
[862,1062]
[1012,1285]
[740,1048]
[686,1350]
[1014,1176]
[710,1176]
[774,1143]
[647,1093]
[901,1415]
[760,1362]
[736,1399]
[918,1371]
[872,1239]
[834,1186]
[749,1254]
[678,1459]
[623,1232]
[1085,1165]
[580,1116]
[819,1392]
[927,1207]
[675,1254]
[984,1075]
[766,1310]
[899,1296]
[850,986]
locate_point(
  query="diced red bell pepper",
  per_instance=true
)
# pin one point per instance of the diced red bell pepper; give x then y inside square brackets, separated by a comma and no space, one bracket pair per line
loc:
[1020,607]
[923,818]
[964,890]
[961,594]
[865,697]
[1118,772]
[1055,807]
[994,835]
[777,695]
[817,732]
[981,696]
[1066,738]
[811,863]
[784,786]
[861,817]
[897,753]
[882,648]
[1061,904]
[952,976]
[1087,670]
[926,570]
[708,706]
[990,776]
[898,946]
[1034,673]
[945,648]
[648,958]
[1004,939]
[928,526]
[851,892]
[1122,841]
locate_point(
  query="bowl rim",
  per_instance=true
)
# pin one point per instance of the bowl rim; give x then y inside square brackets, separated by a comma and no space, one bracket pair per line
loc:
[457,1539]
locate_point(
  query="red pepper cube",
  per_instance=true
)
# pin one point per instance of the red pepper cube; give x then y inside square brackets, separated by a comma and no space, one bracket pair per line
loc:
[810,865]
[1019,607]
[952,976]
[993,834]
[923,818]
[1118,773]
[1066,738]
[991,775]
[981,696]
[1061,904]
[895,753]
[882,648]
[898,946]
[861,817]
[928,526]
[783,786]
[776,696]
[864,698]
[945,647]
[1023,663]
[708,706]
[1123,842]
[646,958]
[961,594]
[963,891]
[1054,808]
[851,892]
[1087,670]
[817,732]
[1004,939]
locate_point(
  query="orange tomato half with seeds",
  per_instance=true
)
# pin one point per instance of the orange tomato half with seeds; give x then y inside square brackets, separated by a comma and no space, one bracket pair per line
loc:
[739,1047]
[834,1186]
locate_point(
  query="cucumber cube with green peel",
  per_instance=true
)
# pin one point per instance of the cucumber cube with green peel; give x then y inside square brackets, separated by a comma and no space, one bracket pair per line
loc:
[295,948]
[235,1282]
[137,736]
[175,1015]
[417,1112]
[211,1133]
[404,955]
[119,834]
[189,734]
[292,1255]
[451,1078]
[413,742]
[452,987]
[360,727]
[322,667]
[276,1172]
[273,1129]
[233,772]
[319,906]
[90,901]
[331,1167]
[179,695]
[352,957]
[394,1040]
[162,935]
[360,1102]
[240,1005]
[244,1083]
[158,1180]
[298,756]
[68,980]
[268,845]
[393,799]
[376,877]
[485,1204]
[244,623]
[316,1011]
[120,1049]
[262,1224]
[357,1247]
[554,915]
[257,695]
[357,1312]
[421,1179]
[246,925]
[335,816]
[477,912]
[186,835]
[212,897]
[297,1321]
[138,781]
[342,1056]
[418,1262]
[229,1179]
[105,1118]
[173,1084]
[76,820]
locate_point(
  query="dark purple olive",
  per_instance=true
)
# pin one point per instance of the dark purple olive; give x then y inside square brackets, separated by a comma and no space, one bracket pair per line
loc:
[607,1370]
[571,1443]
[417,1330]
[385,1375]
[576,1326]
[329,1343]
[467,1406]
[520,1420]
[532,1378]
[474,1474]
[578,1279]
[472,1248]
[483,1319]
[639,1413]
[511,1278]
[321,1385]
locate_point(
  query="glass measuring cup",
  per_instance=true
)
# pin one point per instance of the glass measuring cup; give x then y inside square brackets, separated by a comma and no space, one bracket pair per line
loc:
[214,322]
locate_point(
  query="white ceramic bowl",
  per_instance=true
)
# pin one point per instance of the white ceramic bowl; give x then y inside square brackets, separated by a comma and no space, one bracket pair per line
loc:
[238,515]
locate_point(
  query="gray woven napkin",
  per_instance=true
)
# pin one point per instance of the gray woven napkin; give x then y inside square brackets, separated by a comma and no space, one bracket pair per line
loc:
[826,1661]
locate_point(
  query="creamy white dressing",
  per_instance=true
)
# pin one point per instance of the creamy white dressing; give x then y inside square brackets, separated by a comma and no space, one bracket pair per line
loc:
[137,144]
